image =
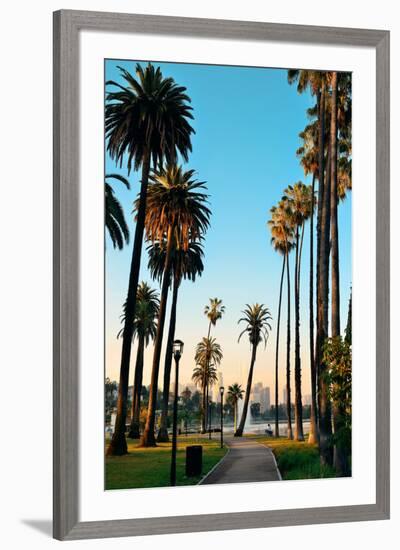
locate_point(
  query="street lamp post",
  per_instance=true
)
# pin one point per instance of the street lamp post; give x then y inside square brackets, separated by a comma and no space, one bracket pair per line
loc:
[209,418]
[177,349]
[221,391]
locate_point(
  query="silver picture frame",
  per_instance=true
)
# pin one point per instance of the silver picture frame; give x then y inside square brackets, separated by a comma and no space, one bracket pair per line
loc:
[67,26]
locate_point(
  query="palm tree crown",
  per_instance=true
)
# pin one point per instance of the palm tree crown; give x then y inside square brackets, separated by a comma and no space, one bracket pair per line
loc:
[114,214]
[208,352]
[205,375]
[176,204]
[235,393]
[257,319]
[186,264]
[298,201]
[147,306]
[214,310]
[282,235]
[147,116]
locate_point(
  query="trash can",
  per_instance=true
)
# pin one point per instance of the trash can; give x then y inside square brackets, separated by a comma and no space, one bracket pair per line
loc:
[194,460]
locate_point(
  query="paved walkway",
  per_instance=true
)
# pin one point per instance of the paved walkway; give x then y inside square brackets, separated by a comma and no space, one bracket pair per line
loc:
[246,461]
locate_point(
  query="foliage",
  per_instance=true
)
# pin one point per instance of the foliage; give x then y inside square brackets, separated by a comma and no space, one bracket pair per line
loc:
[110,395]
[147,115]
[297,203]
[235,392]
[337,356]
[255,410]
[214,310]
[208,355]
[114,214]
[176,204]
[204,375]
[256,318]
[147,307]
[186,264]
[297,459]
[282,234]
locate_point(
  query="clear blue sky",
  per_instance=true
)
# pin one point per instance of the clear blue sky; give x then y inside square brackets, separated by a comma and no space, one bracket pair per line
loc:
[247,122]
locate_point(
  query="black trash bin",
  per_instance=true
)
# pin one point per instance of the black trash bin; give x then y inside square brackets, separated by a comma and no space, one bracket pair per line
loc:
[194,460]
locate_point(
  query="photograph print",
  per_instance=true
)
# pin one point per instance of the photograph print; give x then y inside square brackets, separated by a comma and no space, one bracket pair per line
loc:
[228,274]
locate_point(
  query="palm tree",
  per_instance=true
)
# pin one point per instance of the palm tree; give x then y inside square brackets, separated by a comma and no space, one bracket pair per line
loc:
[145,327]
[282,230]
[340,151]
[208,354]
[298,201]
[213,312]
[235,393]
[114,214]
[177,212]
[280,246]
[204,376]
[344,115]
[308,155]
[146,120]
[335,290]
[340,141]
[318,83]
[186,264]
[348,330]
[257,319]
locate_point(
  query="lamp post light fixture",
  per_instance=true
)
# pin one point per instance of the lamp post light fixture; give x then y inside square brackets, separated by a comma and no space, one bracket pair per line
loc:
[221,391]
[177,350]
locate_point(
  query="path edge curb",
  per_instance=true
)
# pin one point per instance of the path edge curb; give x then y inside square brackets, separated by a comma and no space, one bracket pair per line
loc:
[214,467]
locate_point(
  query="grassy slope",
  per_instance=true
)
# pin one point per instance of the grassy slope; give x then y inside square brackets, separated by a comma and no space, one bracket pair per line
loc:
[296,459]
[151,467]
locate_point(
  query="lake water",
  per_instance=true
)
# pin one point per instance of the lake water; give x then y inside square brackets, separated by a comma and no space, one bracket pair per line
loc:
[260,427]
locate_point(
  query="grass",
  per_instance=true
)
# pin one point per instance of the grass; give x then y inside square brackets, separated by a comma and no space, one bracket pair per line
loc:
[150,467]
[296,459]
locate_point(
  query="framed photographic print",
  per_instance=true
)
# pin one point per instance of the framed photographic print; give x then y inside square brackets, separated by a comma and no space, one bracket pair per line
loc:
[221,275]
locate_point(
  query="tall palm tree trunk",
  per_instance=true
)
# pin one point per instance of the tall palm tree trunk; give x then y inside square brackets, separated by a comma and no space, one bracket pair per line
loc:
[163,432]
[204,412]
[313,435]
[118,446]
[340,459]
[204,407]
[321,182]
[288,390]
[239,431]
[298,410]
[208,412]
[334,215]
[277,351]
[148,439]
[134,428]
[235,415]
[325,412]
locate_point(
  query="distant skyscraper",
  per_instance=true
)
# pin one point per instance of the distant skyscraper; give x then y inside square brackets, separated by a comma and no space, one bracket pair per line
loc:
[255,396]
[262,395]
[265,399]
[217,385]
[307,400]
[284,396]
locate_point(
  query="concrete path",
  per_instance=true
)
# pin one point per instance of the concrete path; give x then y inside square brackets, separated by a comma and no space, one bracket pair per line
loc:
[246,461]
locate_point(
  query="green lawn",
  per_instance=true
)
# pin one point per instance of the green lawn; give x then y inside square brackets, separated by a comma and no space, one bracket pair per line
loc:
[296,459]
[150,467]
